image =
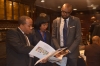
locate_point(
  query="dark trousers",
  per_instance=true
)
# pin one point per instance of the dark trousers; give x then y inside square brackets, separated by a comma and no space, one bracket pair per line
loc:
[72,61]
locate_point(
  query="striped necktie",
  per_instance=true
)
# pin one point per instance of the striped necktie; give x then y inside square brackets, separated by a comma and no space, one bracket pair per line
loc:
[27,40]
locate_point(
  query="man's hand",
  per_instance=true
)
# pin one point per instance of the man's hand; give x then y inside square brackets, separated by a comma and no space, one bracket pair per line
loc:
[62,53]
[44,61]
[66,52]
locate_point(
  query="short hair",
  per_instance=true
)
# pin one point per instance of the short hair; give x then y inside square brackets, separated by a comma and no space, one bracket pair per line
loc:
[43,18]
[22,20]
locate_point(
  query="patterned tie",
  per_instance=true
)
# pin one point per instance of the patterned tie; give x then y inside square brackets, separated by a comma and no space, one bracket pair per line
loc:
[27,40]
[65,33]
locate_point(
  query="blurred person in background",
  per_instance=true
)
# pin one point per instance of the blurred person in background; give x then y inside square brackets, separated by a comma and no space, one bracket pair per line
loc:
[92,52]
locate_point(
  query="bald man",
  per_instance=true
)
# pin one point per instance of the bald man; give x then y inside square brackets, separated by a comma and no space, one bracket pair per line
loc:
[92,52]
[66,32]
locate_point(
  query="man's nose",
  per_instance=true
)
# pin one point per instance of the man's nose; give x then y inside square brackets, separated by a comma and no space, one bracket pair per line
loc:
[31,27]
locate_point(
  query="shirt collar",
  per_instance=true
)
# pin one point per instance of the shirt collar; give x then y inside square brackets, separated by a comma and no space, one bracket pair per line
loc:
[66,19]
[21,30]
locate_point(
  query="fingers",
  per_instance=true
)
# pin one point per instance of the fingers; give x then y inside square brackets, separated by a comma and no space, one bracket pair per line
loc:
[43,61]
[61,53]
[57,55]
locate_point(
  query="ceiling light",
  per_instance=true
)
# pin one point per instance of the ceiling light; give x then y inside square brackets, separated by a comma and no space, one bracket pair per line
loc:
[90,5]
[74,9]
[27,11]
[42,1]
[10,4]
[93,17]
[59,6]
[94,7]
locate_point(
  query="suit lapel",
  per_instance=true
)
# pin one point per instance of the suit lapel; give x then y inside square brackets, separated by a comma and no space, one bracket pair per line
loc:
[22,37]
[69,24]
[58,26]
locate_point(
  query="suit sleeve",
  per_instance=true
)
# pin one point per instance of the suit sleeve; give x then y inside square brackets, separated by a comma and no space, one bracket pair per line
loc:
[77,38]
[16,44]
[54,34]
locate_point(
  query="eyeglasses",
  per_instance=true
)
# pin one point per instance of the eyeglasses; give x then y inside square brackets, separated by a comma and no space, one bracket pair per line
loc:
[65,12]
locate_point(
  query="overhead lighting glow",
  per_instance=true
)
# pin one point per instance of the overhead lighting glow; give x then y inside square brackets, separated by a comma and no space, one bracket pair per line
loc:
[27,11]
[74,9]
[93,17]
[10,4]
[93,6]
[59,6]
[42,1]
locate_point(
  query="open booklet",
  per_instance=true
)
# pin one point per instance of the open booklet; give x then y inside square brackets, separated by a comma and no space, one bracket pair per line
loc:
[44,51]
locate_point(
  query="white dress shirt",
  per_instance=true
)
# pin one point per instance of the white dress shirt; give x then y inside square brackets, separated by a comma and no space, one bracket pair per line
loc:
[61,31]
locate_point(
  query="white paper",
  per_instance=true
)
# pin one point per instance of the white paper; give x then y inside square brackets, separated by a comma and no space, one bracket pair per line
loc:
[82,54]
[41,50]
[44,51]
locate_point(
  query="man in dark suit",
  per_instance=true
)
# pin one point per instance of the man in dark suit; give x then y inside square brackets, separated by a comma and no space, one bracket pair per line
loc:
[91,29]
[18,45]
[92,52]
[69,37]
[96,31]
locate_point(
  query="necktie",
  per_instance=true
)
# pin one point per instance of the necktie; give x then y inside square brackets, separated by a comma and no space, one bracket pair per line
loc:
[65,33]
[28,44]
[27,40]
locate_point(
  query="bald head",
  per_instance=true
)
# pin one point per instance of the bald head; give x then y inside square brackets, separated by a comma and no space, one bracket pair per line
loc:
[96,40]
[66,10]
[67,5]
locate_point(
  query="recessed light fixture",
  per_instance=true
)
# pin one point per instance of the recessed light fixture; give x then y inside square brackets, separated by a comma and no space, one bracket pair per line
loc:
[27,10]
[59,6]
[93,6]
[42,0]
[93,17]
[10,4]
[74,9]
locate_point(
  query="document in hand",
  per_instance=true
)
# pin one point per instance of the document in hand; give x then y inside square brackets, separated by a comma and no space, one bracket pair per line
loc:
[44,51]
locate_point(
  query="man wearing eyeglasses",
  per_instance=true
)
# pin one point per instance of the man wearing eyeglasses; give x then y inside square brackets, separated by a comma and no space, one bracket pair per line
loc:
[66,32]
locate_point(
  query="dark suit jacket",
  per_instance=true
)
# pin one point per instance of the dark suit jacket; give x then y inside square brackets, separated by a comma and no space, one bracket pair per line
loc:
[39,37]
[91,29]
[92,53]
[48,39]
[96,31]
[74,35]
[17,49]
